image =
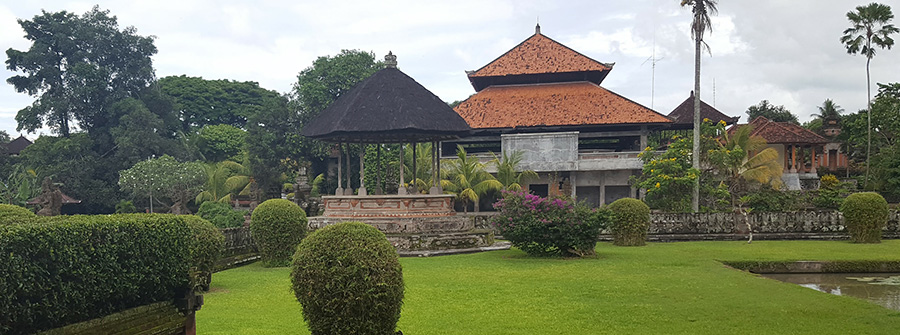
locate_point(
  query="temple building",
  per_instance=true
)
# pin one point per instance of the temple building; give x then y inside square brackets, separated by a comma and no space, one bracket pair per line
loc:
[545,100]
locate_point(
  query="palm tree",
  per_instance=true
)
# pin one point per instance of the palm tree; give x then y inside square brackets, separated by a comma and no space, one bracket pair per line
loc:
[507,173]
[224,179]
[467,179]
[870,28]
[745,158]
[829,110]
[699,25]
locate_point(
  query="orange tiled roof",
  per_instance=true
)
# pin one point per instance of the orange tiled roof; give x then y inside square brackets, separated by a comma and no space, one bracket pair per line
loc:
[559,104]
[782,132]
[539,54]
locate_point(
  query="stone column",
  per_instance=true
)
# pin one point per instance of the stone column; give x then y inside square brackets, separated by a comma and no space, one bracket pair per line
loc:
[435,174]
[379,190]
[401,189]
[349,189]
[812,158]
[340,188]
[787,161]
[793,158]
[362,170]
[413,188]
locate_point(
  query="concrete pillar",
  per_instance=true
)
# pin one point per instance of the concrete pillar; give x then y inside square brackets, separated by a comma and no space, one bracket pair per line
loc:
[812,158]
[413,188]
[340,187]
[349,189]
[435,174]
[379,190]
[362,169]
[793,158]
[787,161]
[643,138]
[401,189]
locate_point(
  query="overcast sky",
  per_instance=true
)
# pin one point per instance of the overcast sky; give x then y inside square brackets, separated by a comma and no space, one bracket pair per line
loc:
[787,52]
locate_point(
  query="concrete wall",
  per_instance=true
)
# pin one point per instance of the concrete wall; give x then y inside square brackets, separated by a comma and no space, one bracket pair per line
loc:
[544,152]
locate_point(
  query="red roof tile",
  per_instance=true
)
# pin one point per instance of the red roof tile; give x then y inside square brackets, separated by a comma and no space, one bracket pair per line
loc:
[539,54]
[558,104]
[781,132]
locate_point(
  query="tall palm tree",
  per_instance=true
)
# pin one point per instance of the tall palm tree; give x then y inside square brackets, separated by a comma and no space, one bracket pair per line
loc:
[870,28]
[829,110]
[699,25]
[507,171]
[224,179]
[747,158]
[467,179]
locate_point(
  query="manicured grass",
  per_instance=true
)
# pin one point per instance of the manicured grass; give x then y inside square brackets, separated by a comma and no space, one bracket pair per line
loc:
[662,288]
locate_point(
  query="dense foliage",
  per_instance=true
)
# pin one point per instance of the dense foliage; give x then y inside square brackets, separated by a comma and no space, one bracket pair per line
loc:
[631,220]
[164,178]
[865,215]
[831,192]
[771,112]
[277,226]
[206,247]
[221,214]
[66,269]
[349,280]
[548,226]
[8,212]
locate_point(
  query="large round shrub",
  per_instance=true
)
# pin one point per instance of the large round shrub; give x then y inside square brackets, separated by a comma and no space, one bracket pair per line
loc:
[10,212]
[865,215]
[348,279]
[277,226]
[631,220]
[206,248]
[220,214]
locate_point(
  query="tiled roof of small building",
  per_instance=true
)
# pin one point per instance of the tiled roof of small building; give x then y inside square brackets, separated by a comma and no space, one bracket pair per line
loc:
[556,104]
[539,54]
[684,113]
[782,132]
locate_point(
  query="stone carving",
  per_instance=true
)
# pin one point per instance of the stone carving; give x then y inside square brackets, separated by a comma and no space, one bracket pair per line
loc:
[50,199]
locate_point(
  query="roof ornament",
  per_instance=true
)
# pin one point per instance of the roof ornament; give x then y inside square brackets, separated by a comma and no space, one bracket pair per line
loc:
[390,60]
[537,29]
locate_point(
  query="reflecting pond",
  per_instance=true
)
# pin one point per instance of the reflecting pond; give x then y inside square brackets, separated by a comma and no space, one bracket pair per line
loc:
[880,288]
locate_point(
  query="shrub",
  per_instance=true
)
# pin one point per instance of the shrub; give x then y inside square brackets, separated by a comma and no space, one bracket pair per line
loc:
[206,248]
[125,207]
[66,269]
[767,199]
[9,212]
[865,215]
[277,226]
[547,226]
[349,280]
[631,220]
[220,214]
[831,192]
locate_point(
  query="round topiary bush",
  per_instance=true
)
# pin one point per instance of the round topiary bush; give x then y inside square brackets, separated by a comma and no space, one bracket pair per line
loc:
[9,212]
[631,220]
[206,248]
[348,279]
[277,226]
[865,215]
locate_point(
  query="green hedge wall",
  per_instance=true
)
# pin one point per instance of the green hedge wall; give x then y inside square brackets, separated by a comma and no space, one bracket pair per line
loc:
[13,212]
[61,270]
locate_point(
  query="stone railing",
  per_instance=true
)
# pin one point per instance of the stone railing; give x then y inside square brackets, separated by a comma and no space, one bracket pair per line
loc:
[239,248]
[732,226]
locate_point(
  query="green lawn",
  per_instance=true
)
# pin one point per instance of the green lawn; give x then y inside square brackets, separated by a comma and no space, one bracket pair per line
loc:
[663,288]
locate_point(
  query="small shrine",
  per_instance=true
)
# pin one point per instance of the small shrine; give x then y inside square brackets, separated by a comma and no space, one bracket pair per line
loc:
[392,108]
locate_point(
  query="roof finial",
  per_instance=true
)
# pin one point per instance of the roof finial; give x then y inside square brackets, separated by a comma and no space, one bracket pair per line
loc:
[537,27]
[390,60]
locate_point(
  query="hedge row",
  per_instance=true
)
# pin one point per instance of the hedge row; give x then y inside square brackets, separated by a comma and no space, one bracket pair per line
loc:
[66,269]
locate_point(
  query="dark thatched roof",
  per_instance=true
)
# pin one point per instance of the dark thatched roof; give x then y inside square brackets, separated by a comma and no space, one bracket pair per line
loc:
[387,107]
[16,146]
[684,113]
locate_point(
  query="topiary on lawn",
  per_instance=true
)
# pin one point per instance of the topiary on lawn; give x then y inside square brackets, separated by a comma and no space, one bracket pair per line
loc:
[277,226]
[206,248]
[865,215]
[631,220]
[9,212]
[349,280]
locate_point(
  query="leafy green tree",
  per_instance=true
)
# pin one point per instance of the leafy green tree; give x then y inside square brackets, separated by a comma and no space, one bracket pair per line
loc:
[223,181]
[21,185]
[771,112]
[319,85]
[273,140]
[870,28]
[700,23]
[164,178]
[221,142]
[508,172]
[76,68]
[467,179]
[199,102]
[138,134]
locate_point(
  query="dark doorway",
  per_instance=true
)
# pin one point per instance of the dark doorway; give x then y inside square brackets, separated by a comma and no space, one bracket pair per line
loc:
[540,190]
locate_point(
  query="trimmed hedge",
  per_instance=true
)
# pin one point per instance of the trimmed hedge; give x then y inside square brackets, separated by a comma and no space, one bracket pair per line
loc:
[277,226]
[221,214]
[67,269]
[865,216]
[9,212]
[207,246]
[631,220]
[349,280]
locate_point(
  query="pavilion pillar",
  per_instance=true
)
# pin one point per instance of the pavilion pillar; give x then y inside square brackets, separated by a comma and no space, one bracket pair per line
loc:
[435,174]
[413,183]
[827,156]
[349,189]
[379,190]
[787,161]
[401,189]
[793,159]
[362,170]
[340,188]
[812,157]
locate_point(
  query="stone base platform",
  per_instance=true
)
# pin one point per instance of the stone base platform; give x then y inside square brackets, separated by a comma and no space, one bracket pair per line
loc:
[421,235]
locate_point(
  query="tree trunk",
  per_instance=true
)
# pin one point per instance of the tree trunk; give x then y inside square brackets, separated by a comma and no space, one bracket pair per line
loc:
[869,124]
[695,157]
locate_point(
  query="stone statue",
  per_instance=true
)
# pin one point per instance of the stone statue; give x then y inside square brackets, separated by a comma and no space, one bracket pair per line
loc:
[50,199]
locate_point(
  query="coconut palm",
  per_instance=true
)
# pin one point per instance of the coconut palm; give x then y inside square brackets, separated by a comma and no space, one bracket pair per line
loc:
[699,25]
[467,179]
[224,179]
[870,28]
[507,171]
[742,158]
[829,110]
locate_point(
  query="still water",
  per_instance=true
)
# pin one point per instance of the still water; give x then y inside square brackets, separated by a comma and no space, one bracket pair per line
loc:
[880,288]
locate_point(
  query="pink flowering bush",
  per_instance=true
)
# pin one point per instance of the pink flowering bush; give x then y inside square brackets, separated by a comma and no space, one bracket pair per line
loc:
[548,226]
